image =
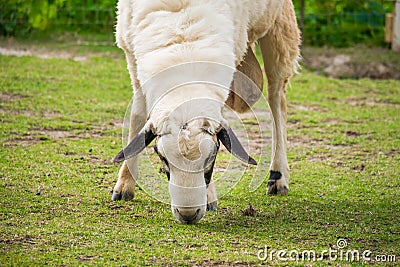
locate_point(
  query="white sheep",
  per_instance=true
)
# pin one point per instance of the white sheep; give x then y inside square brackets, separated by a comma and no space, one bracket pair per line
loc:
[159,36]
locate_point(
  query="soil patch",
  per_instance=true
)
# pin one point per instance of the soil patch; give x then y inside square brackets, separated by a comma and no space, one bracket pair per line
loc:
[5,97]
[17,240]
[252,127]
[356,62]
[306,108]
[37,136]
[364,101]
[36,52]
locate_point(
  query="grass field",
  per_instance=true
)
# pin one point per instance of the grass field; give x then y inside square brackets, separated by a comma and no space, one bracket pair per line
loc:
[61,126]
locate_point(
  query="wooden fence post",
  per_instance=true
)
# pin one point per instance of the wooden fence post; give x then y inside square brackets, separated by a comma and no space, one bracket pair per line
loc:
[389,18]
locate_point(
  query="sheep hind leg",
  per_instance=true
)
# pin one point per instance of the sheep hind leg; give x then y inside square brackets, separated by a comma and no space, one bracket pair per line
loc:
[125,187]
[212,200]
[280,50]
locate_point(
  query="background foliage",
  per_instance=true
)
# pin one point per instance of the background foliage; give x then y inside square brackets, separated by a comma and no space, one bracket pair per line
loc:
[18,17]
[343,23]
[334,23]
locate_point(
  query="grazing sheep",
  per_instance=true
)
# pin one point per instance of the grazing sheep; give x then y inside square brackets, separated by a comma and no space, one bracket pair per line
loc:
[187,123]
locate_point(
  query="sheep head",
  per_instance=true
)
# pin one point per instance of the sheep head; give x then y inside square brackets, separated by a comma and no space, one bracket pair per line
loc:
[188,151]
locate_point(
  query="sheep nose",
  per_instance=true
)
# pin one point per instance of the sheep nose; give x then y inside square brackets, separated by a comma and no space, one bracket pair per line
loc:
[188,216]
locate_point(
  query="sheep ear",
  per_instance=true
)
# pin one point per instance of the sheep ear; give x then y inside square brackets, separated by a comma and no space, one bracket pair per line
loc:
[247,84]
[232,143]
[137,145]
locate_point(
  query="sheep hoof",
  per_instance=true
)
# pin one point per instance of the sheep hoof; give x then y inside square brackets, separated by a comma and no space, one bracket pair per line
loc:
[124,196]
[116,196]
[283,190]
[127,196]
[272,188]
[212,206]
[276,185]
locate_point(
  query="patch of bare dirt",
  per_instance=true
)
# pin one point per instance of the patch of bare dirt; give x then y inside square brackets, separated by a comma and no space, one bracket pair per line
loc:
[353,134]
[362,62]
[364,101]
[5,97]
[19,240]
[252,128]
[22,141]
[85,258]
[40,53]
[207,263]
[50,115]
[332,121]
[55,134]
[306,108]
[30,113]
[36,136]
[26,113]
[297,141]
[61,47]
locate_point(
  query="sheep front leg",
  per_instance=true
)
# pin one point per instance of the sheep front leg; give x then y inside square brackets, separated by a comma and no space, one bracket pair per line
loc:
[280,51]
[125,187]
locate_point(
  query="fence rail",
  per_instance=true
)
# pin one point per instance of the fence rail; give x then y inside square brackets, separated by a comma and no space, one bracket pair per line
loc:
[85,16]
[319,28]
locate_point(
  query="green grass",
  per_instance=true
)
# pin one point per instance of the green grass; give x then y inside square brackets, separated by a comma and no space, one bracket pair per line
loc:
[60,127]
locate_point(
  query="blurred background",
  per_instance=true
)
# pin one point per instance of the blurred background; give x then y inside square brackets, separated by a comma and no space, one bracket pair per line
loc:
[331,25]
[334,23]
